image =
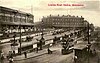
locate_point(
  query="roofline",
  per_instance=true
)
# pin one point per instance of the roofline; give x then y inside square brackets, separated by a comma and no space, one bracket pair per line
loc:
[13,10]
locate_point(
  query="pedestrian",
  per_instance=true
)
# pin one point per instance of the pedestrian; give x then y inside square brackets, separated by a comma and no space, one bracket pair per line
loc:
[94,52]
[25,54]
[0,53]
[11,56]
[75,59]
[2,58]
[11,60]
[37,50]
[49,51]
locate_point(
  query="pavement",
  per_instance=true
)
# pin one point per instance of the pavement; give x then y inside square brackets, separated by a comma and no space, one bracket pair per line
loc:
[42,53]
[55,57]
[30,55]
[35,54]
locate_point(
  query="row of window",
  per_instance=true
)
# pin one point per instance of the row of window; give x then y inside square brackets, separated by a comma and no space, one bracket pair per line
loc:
[17,30]
[64,21]
[70,23]
[7,28]
[12,19]
[69,19]
[17,15]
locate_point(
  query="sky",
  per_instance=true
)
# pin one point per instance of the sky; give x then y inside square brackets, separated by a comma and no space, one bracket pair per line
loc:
[39,8]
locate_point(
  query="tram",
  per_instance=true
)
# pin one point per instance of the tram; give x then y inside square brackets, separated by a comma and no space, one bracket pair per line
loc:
[27,48]
[30,46]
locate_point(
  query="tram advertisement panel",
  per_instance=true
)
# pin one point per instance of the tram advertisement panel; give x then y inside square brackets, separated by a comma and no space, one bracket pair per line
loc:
[48,42]
[14,48]
[34,45]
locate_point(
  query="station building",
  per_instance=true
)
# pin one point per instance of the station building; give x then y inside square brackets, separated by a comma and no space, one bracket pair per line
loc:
[11,20]
[64,21]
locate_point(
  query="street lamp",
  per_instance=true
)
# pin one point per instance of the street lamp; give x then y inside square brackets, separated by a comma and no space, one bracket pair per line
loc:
[89,33]
[89,44]
[20,38]
[42,40]
[42,29]
[20,34]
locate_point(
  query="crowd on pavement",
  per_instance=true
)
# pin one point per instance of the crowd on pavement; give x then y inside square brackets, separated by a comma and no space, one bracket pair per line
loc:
[9,57]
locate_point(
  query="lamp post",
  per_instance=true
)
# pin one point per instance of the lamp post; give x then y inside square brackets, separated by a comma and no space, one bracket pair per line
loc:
[42,29]
[88,41]
[20,34]
[20,39]
[42,42]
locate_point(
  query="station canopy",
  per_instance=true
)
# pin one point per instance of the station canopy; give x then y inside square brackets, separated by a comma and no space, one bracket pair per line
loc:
[16,23]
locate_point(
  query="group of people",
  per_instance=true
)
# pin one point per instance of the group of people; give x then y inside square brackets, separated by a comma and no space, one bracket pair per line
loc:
[3,58]
[10,57]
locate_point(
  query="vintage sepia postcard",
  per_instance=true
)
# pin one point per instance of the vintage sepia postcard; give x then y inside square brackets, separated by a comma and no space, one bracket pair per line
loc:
[49,31]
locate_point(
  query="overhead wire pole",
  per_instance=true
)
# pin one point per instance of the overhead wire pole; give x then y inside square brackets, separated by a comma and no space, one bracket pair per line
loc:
[68,19]
[88,34]
[20,34]
[31,6]
[32,10]
[88,42]
[42,28]
[42,39]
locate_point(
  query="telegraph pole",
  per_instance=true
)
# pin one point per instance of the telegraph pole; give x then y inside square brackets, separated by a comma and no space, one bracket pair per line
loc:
[88,42]
[42,42]
[20,35]
[42,28]
[88,34]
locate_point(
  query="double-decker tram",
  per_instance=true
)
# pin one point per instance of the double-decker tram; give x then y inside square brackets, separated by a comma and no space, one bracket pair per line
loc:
[32,46]
[27,47]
